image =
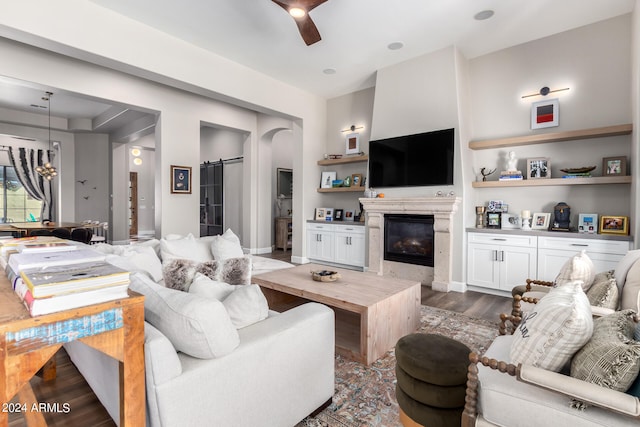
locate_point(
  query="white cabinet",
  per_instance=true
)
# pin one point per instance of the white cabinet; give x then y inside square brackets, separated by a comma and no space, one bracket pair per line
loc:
[336,244]
[500,261]
[553,252]
[320,242]
[349,245]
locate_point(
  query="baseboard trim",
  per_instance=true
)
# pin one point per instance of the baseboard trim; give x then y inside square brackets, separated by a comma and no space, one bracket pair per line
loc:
[299,259]
[258,251]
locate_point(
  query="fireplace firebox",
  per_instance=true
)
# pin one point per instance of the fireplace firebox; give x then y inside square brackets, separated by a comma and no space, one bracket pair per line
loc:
[409,239]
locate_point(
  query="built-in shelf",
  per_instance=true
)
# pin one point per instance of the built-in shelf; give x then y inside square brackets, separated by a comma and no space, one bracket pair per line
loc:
[554,181]
[341,190]
[343,160]
[543,138]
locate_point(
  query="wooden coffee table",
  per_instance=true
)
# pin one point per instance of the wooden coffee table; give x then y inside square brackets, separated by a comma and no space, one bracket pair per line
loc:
[372,312]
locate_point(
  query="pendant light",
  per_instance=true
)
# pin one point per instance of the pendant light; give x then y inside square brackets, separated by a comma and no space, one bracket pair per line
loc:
[47,170]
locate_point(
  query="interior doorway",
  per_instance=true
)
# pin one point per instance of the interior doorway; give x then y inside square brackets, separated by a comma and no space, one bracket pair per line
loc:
[133,205]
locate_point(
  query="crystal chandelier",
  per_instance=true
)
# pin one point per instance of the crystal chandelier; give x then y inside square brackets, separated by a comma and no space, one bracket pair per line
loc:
[48,171]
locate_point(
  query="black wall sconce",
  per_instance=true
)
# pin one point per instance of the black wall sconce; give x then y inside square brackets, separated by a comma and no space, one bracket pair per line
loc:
[544,91]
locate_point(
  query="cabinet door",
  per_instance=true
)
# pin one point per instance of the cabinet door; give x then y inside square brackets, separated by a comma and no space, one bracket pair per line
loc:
[350,249]
[320,245]
[516,266]
[483,268]
[551,261]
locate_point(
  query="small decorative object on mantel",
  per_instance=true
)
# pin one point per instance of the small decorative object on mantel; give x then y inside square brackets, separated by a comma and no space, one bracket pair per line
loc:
[583,172]
[485,173]
[561,217]
[587,223]
[325,276]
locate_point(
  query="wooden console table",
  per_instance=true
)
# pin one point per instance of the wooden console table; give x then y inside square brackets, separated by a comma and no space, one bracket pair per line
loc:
[27,343]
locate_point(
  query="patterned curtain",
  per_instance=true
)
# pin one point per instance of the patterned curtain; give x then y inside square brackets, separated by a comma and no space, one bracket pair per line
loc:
[36,186]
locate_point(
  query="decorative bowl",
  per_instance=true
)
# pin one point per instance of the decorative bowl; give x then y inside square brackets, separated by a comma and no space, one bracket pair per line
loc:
[584,169]
[325,276]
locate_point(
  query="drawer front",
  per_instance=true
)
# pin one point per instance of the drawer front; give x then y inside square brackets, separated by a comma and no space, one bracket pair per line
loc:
[503,239]
[319,227]
[617,247]
[350,229]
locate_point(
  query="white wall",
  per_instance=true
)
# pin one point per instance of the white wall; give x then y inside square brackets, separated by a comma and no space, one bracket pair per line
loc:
[56,28]
[92,171]
[146,183]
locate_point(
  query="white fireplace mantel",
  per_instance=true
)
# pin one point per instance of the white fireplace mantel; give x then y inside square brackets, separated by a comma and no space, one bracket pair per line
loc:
[442,209]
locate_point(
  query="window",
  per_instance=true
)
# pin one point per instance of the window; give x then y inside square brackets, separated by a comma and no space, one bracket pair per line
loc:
[16,205]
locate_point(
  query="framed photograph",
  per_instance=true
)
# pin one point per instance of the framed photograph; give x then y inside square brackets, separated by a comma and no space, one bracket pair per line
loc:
[538,168]
[614,225]
[540,221]
[493,219]
[326,181]
[545,114]
[328,214]
[352,143]
[356,180]
[510,221]
[338,215]
[349,215]
[614,166]
[588,223]
[320,214]
[495,205]
[181,179]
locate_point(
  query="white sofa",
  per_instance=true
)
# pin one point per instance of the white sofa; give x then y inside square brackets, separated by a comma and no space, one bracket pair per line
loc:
[275,373]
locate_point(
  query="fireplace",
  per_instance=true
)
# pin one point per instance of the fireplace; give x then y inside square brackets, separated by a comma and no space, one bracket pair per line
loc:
[409,239]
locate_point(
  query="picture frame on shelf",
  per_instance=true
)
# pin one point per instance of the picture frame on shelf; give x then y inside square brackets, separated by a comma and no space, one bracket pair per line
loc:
[545,114]
[540,221]
[356,180]
[328,214]
[320,214]
[538,168]
[614,224]
[494,219]
[349,215]
[352,143]
[180,179]
[338,214]
[327,178]
[614,166]
[510,221]
[587,223]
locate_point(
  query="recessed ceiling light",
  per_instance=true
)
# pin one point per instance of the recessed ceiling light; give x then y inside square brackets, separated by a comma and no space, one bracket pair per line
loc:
[297,12]
[329,71]
[395,45]
[485,14]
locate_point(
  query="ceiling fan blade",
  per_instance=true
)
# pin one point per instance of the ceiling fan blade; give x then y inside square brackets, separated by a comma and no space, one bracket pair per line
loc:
[308,30]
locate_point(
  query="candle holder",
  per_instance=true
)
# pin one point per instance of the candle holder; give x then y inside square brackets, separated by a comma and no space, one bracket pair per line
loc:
[480,210]
[526,224]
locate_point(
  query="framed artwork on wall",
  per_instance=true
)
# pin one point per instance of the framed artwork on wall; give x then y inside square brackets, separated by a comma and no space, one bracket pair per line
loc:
[545,114]
[352,143]
[181,179]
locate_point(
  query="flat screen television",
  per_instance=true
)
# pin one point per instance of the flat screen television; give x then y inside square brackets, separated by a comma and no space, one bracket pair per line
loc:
[423,159]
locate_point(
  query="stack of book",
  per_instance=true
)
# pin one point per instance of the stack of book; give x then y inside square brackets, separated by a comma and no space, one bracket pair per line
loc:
[49,282]
[31,244]
[510,176]
[577,175]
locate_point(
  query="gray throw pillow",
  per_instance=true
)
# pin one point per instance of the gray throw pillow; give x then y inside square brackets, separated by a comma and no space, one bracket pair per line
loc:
[604,293]
[179,273]
[611,358]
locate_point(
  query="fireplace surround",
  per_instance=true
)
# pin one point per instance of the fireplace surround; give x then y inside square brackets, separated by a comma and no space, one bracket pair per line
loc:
[442,208]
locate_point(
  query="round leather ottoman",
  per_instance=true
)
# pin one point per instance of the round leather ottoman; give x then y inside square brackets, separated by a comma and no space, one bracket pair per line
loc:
[431,372]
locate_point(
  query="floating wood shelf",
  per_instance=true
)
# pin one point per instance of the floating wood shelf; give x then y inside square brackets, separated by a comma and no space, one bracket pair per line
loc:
[341,190]
[542,138]
[554,181]
[344,160]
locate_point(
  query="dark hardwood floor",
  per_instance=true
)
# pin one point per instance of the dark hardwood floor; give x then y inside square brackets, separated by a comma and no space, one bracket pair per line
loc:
[85,409]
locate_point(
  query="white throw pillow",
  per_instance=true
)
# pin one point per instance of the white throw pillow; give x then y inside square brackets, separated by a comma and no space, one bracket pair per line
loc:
[578,267]
[199,327]
[226,246]
[143,259]
[246,305]
[185,248]
[559,325]
[209,288]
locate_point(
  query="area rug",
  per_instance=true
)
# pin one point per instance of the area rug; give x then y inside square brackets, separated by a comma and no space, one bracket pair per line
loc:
[365,395]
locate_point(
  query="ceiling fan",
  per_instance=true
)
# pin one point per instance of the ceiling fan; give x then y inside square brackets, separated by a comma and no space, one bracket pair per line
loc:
[299,10]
